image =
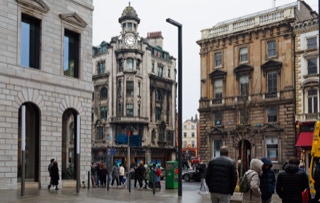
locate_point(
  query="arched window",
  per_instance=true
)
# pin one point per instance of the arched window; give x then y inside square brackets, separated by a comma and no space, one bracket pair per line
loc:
[104,93]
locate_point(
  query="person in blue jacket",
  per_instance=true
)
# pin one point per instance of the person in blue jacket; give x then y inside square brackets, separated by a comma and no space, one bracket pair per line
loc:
[156,178]
[267,180]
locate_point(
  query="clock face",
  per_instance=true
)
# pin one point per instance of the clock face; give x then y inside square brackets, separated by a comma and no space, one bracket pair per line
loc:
[130,40]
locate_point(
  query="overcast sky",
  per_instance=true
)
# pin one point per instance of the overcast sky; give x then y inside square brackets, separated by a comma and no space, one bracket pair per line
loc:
[193,15]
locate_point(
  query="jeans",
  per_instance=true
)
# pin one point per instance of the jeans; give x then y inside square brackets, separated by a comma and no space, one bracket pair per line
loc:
[220,198]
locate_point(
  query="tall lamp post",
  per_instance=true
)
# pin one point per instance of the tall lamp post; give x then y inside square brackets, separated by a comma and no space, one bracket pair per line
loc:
[179,25]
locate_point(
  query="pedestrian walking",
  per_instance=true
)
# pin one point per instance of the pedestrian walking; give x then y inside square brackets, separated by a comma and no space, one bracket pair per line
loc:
[221,177]
[93,174]
[267,180]
[291,182]
[103,175]
[55,175]
[253,195]
[156,177]
[201,168]
[140,174]
[146,176]
[121,174]
[115,174]
[49,170]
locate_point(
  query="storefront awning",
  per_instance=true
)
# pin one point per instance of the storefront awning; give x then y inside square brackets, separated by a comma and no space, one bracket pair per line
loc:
[305,139]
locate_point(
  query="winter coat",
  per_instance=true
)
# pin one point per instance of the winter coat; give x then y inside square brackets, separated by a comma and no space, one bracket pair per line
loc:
[254,194]
[147,172]
[267,180]
[115,172]
[155,177]
[291,183]
[121,171]
[221,175]
[54,174]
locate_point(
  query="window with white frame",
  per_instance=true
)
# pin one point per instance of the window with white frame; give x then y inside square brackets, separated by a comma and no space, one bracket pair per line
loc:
[192,134]
[218,59]
[216,145]
[312,66]
[193,144]
[312,43]
[243,52]
[272,49]
[244,85]
[272,148]
[272,114]
[312,101]
[184,134]
[218,89]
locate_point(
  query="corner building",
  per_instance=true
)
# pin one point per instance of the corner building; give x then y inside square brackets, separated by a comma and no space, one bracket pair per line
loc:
[134,97]
[46,75]
[247,85]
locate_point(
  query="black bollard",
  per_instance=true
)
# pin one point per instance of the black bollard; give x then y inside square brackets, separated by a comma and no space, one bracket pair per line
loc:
[88,180]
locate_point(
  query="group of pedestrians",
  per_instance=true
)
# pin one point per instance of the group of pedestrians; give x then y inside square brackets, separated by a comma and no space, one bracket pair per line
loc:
[222,177]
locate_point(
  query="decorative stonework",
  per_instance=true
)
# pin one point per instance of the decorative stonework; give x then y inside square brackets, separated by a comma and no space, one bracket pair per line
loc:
[37,5]
[74,19]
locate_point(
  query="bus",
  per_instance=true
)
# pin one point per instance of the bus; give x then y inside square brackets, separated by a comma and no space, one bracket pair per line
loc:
[315,155]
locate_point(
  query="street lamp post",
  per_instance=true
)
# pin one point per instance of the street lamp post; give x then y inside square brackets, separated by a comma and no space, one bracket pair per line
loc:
[179,25]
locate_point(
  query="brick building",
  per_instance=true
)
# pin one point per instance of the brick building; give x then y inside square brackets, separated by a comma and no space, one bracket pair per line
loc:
[247,85]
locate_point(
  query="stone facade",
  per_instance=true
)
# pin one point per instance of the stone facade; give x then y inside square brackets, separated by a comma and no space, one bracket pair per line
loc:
[55,94]
[247,85]
[306,85]
[134,94]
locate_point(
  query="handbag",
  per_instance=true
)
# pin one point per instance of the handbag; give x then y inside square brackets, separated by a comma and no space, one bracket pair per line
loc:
[305,196]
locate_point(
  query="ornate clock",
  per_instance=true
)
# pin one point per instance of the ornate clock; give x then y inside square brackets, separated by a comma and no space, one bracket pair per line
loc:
[130,40]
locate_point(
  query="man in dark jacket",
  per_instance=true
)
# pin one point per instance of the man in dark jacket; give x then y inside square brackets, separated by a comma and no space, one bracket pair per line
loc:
[221,177]
[292,182]
[267,180]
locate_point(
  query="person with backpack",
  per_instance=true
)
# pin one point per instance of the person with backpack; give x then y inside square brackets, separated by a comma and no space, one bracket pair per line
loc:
[156,176]
[292,182]
[267,180]
[221,177]
[253,194]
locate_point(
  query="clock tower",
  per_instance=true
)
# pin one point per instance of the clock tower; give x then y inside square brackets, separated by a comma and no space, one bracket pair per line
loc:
[129,21]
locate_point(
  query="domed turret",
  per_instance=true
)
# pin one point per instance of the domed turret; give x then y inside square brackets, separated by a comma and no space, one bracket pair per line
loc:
[129,13]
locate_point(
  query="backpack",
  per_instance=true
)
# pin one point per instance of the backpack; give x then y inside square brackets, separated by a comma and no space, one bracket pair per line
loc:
[158,173]
[244,185]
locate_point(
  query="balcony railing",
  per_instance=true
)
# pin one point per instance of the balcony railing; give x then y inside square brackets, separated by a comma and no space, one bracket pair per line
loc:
[307,117]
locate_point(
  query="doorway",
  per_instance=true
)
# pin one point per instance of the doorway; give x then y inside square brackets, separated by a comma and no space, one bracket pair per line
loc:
[32,143]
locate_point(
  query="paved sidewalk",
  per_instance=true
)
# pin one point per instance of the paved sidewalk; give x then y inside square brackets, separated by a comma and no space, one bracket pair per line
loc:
[114,195]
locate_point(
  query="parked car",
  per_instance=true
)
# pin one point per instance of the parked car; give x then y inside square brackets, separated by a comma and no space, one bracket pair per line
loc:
[191,175]
[195,161]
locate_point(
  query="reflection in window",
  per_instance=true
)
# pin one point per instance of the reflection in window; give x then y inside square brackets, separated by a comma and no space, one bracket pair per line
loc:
[129,64]
[103,112]
[272,114]
[100,132]
[312,101]
[160,71]
[218,89]
[71,54]
[272,148]
[129,109]
[218,59]
[312,43]
[104,93]
[30,42]
[272,50]
[243,54]
[130,87]
[272,82]
[216,145]
[312,66]
[244,85]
